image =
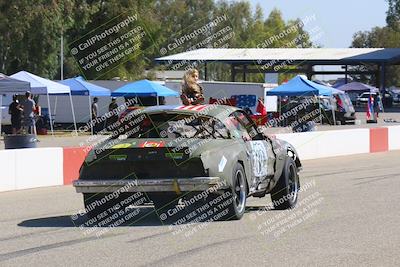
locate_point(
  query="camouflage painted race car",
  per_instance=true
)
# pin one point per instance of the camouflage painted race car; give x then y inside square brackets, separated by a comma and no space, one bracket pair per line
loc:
[182,155]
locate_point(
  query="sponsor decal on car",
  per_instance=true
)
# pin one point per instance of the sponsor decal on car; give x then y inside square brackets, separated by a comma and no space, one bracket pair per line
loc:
[152,144]
[118,157]
[123,145]
[174,155]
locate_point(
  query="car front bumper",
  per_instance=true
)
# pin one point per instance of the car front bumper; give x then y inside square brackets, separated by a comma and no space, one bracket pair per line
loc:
[150,185]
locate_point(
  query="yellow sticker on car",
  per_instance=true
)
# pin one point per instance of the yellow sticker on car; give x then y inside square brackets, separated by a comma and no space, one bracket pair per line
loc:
[124,145]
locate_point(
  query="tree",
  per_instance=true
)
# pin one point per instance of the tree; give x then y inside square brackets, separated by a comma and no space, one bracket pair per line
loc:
[30,36]
[386,37]
[393,14]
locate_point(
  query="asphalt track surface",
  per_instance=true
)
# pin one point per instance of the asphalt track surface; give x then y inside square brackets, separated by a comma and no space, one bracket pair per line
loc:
[348,214]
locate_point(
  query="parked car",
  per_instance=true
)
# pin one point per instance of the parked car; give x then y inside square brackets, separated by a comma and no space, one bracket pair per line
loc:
[362,99]
[396,97]
[387,101]
[174,153]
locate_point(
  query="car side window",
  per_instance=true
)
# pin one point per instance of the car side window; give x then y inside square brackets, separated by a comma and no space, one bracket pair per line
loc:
[248,125]
[237,129]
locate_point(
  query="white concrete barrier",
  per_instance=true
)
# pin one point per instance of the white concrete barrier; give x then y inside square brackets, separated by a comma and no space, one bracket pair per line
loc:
[39,167]
[7,170]
[31,168]
[394,137]
[313,145]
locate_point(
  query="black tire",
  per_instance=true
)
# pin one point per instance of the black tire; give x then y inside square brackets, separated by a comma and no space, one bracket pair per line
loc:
[285,193]
[238,191]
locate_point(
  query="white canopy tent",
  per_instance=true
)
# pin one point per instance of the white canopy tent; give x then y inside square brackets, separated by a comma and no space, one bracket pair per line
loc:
[10,85]
[42,86]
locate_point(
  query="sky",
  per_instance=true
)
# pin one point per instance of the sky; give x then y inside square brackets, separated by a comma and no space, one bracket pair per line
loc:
[337,20]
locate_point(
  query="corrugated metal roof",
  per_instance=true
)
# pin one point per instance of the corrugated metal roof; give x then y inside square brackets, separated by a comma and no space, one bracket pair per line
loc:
[312,55]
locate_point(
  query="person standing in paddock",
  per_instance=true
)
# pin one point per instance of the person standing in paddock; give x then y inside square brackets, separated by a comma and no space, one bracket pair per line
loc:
[29,115]
[95,114]
[15,110]
[191,92]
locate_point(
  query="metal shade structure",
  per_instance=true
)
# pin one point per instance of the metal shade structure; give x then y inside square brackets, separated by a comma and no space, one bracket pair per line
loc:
[42,86]
[10,85]
[80,87]
[292,60]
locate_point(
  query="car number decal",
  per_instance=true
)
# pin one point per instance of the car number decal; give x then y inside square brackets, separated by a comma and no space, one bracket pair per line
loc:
[260,157]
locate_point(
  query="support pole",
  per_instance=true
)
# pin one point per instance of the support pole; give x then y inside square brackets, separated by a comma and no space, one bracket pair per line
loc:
[233,73]
[205,71]
[345,74]
[90,114]
[382,87]
[319,107]
[333,110]
[73,112]
[244,73]
[55,106]
[50,118]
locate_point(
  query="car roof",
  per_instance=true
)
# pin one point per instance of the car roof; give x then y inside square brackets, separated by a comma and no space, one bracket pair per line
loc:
[212,110]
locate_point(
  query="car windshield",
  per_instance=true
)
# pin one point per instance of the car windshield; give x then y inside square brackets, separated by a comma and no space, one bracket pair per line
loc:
[172,125]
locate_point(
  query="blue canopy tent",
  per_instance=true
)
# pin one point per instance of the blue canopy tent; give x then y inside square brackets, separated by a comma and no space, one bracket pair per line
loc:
[298,86]
[80,87]
[144,88]
[301,86]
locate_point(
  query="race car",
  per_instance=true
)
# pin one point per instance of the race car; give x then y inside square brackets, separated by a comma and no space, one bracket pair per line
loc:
[208,156]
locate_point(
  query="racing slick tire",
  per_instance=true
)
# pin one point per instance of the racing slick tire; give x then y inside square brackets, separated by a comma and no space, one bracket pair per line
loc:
[285,193]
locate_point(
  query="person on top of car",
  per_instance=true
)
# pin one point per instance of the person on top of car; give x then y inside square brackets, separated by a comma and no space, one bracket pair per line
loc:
[191,92]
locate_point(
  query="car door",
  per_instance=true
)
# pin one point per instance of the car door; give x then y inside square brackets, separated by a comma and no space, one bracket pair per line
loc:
[259,151]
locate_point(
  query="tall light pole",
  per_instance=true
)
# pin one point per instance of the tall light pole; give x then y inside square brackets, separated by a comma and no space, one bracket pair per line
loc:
[62,56]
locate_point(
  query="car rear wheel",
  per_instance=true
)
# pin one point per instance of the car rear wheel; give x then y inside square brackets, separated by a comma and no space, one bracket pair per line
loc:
[285,193]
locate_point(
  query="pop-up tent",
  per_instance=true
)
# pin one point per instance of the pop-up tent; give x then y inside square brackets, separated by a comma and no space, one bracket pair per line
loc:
[298,86]
[10,85]
[42,86]
[357,86]
[144,88]
[301,86]
[83,88]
